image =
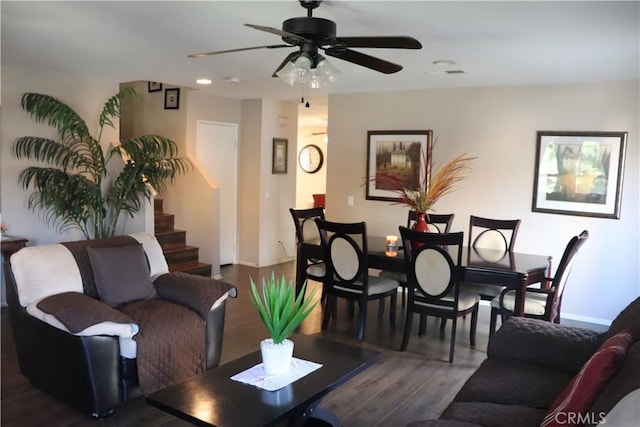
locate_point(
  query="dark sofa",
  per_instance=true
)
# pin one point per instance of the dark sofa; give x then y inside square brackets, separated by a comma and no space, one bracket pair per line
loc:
[529,364]
[99,322]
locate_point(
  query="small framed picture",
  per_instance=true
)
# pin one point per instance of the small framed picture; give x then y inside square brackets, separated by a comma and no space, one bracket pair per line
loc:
[579,173]
[154,87]
[172,99]
[279,160]
[395,156]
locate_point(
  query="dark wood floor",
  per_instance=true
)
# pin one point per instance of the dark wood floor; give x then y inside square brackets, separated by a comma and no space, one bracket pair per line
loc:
[401,387]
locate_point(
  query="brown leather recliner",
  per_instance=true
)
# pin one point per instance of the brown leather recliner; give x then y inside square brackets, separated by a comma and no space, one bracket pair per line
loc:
[87,332]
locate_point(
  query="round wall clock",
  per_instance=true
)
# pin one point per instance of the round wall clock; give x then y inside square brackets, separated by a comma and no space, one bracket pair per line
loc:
[311,158]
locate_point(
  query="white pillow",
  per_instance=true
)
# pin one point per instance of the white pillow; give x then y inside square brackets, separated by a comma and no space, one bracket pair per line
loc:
[626,413]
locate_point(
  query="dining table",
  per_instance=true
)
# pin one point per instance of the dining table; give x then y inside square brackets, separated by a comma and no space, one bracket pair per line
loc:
[514,270]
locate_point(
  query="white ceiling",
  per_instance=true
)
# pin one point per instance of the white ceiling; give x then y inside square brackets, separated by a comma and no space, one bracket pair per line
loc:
[495,43]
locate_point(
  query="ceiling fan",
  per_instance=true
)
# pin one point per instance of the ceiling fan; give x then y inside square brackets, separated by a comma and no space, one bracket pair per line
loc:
[312,34]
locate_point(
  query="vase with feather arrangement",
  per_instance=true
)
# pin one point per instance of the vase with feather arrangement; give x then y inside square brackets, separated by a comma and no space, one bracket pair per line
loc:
[281,312]
[431,186]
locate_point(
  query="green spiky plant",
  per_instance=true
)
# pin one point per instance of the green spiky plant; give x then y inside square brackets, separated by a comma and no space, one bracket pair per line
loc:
[280,310]
[78,190]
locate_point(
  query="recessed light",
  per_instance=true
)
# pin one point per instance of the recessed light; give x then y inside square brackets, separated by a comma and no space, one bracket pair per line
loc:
[442,62]
[233,80]
[204,81]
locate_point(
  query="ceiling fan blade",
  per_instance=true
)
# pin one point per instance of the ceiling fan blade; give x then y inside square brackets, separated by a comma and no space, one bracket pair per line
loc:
[279,33]
[205,54]
[364,60]
[385,42]
[287,59]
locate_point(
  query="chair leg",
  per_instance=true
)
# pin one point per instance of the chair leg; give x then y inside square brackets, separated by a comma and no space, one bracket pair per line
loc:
[407,331]
[328,309]
[380,308]
[351,308]
[392,310]
[452,346]
[404,295]
[443,325]
[422,329]
[474,326]
[493,320]
[362,320]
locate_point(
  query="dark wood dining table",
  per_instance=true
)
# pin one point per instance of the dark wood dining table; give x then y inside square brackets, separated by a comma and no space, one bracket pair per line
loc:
[514,270]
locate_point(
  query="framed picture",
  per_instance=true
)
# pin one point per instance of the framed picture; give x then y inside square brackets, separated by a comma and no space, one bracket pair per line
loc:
[279,159]
[172,99]
[154,87]
[579,173]
[395,158]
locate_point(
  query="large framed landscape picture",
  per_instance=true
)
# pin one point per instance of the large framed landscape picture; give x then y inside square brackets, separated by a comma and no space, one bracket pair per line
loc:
[579,173]
[395,157]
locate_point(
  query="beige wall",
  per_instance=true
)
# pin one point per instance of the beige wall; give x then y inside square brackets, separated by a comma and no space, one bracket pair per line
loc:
[266,235]
[498,125]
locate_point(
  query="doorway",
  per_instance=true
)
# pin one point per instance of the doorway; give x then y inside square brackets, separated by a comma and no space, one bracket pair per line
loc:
[217,152]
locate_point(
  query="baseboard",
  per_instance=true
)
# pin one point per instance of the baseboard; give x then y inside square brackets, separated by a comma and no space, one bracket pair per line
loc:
[569,316]
[586,319]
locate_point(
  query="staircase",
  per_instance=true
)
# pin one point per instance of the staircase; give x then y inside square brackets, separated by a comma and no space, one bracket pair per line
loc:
[178,254]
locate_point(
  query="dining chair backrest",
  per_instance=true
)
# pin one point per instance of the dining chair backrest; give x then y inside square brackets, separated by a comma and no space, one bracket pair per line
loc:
[498,234]
[564,267]
[304,221]
[433,263]
[345,248]
[438,223]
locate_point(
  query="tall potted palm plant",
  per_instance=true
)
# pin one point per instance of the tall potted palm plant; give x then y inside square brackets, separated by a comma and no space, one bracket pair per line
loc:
[79,189]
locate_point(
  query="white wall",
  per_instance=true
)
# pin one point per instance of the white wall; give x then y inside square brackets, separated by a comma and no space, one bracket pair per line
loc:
[498,125]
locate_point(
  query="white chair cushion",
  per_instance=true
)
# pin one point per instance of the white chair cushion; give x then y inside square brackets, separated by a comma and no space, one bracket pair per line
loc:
[42,271]
[482,289]
[466,300]
[534,303]
[157,262]
[400,277]
[377,285]
[317,271]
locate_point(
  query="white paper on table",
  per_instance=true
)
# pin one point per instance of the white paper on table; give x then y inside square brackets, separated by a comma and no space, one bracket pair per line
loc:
[256,375]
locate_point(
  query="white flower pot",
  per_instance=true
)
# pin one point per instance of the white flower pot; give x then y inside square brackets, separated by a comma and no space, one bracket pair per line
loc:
[276,358]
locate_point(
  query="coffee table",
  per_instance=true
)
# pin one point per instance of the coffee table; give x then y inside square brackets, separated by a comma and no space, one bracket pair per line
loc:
[213,399]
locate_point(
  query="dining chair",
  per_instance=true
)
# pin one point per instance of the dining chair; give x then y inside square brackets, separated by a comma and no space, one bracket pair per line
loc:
[307,232]
[497,235]
[542,303]
[438,223]
[346,256]
[433,274]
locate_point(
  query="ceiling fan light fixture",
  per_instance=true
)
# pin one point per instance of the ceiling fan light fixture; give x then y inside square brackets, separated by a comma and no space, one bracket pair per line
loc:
[297,70]
[328,73]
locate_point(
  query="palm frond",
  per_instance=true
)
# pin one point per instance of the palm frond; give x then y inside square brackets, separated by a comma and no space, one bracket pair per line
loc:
[46,108]
[76,206]
[279,308]
[112,107]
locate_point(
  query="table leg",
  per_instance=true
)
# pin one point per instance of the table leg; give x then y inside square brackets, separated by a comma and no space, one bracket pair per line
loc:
[314,416]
